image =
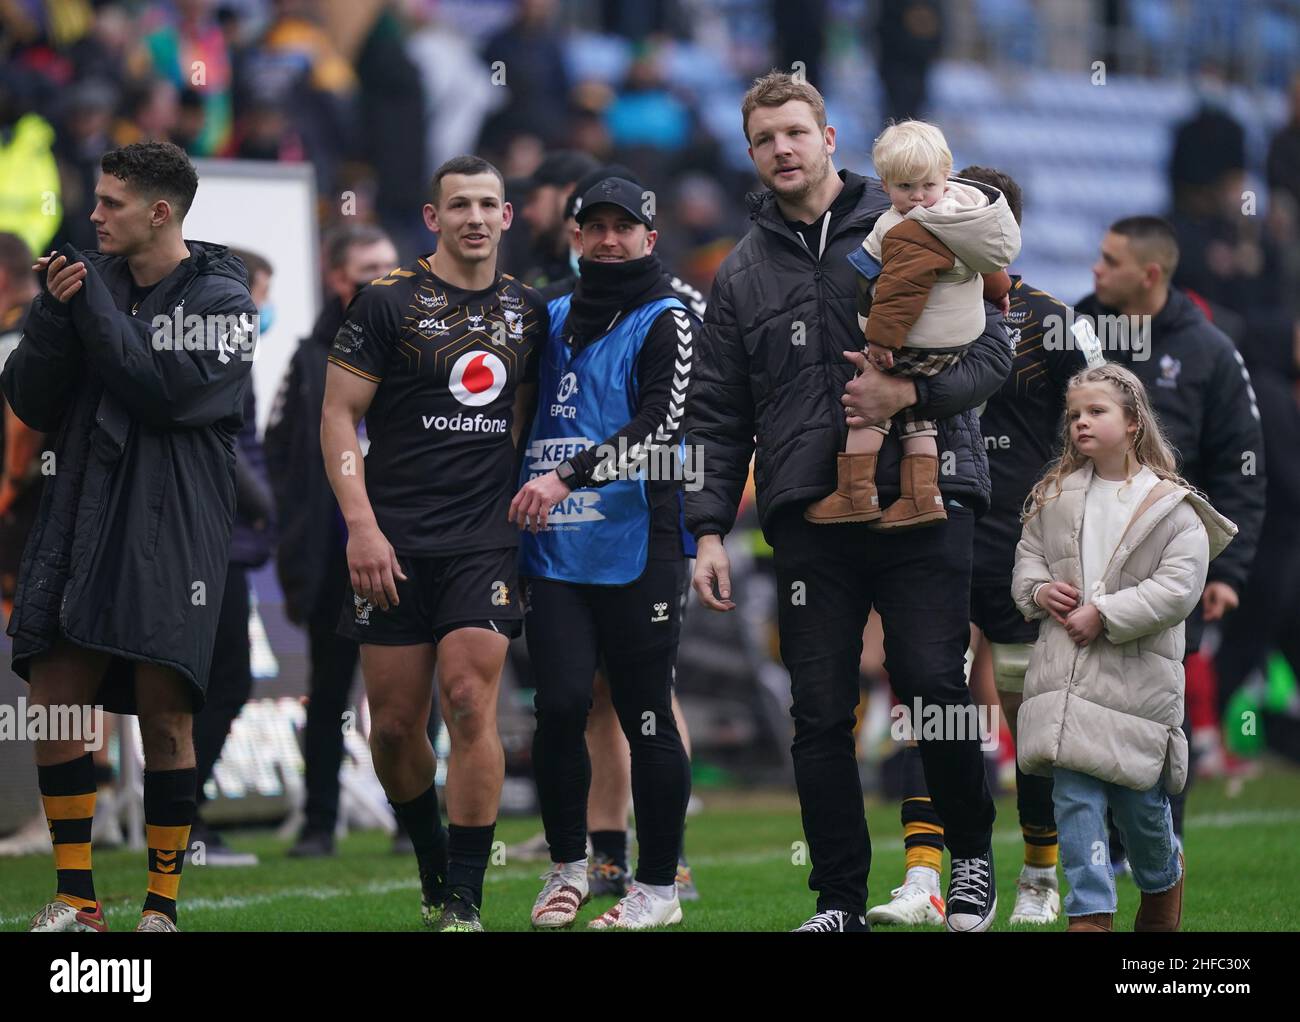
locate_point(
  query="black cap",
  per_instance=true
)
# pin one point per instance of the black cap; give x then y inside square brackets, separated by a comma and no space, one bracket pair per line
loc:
[562,167]
[595,177]
[615,191]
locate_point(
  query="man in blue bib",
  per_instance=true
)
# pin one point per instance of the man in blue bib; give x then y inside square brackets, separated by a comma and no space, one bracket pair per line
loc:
[603,556]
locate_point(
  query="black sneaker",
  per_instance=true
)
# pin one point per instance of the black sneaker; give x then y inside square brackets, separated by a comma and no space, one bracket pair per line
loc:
[313,844]
[459,915]
[972,894]
[433,896]
[606,878]
[833,920]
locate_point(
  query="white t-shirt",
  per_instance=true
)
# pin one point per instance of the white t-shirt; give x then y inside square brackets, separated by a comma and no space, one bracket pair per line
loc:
[1108,507]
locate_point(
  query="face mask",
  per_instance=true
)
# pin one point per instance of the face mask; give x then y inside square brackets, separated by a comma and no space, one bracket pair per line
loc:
[266,317]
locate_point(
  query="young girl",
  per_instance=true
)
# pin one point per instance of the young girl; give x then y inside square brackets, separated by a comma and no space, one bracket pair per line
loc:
[1113,558]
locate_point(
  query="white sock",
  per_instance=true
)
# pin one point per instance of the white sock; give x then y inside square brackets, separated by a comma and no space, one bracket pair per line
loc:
[924,876]
[663,893]
[1043,876]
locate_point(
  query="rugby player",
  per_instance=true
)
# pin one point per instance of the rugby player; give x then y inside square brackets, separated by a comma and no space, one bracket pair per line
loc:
[437,356]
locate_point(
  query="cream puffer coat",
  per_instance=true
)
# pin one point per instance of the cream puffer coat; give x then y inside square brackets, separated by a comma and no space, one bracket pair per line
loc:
[1114,709]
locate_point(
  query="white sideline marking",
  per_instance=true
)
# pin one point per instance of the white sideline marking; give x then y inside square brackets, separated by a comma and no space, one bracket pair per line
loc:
[1207,821]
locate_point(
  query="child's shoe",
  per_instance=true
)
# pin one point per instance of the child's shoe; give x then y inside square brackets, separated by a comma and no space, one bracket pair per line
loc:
[1100,922]
[855,498]
[919,501]
[1163,912]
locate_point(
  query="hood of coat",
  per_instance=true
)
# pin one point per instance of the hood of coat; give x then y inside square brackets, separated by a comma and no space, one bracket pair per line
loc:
[206,259]
[981,230]
[1157,505]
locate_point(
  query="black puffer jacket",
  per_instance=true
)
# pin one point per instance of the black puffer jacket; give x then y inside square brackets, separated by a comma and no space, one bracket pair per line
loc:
[129,551]
[769,367]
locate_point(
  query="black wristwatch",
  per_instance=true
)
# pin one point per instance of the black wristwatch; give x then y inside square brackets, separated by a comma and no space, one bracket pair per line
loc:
[565,473]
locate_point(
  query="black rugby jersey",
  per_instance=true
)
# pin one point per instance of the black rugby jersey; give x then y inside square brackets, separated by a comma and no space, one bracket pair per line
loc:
[440,471]
[1021,423]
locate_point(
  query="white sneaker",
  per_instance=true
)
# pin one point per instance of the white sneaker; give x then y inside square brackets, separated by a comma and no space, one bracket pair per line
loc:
[155,922]
[60,917]
[32,838]
[563,893]
[1038,897]
[916,903]
[640,910]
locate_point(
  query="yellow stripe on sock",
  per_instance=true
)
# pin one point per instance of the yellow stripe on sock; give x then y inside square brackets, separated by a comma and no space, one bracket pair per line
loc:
[69,807]
[80,904]
[923,855]
[167,838]
[164,886]
[1039,855]
[72,856]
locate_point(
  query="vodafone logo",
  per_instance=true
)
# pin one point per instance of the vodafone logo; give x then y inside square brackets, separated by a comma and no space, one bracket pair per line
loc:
[477,378]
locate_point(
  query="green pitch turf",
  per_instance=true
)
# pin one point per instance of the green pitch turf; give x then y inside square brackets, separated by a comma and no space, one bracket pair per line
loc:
[1240,845]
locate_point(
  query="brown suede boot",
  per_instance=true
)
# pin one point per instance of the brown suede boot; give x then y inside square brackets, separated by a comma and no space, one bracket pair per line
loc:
[1162,913]
[919,501]
[855,498]
[1100,922]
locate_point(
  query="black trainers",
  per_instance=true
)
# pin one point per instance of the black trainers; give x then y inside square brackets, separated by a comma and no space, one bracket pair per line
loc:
[832,920]
[312,844]
[605,877]
[972,894]
[459,915]
[433,896]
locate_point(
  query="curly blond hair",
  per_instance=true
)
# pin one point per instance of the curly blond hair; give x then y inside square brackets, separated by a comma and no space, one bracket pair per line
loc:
[1150,448]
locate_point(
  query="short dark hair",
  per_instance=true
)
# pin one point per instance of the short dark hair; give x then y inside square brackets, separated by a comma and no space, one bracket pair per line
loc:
[1004,183]
[776,88]
[155,170]
[341,240]
[15,258]
[468,165]
[253,263]
[1153,237]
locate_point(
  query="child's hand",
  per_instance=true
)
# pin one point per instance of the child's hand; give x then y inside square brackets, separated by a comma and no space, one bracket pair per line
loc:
[879,356]
[1084,624]
[1058,599]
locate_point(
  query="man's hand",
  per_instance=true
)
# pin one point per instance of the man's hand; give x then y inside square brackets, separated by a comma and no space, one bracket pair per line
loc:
[1083,624]
[872,397]
[535,499]
[1058,599]
[63,281]
[372,563]
[712,564]
[1217,600]
[879,356]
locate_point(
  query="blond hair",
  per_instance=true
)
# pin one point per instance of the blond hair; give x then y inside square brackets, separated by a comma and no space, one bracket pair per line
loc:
[1149,447]
[911,151]
[776,88]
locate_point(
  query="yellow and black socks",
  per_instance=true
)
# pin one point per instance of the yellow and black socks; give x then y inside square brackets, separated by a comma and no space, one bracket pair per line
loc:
[468,849]
[922,828]
[169,804]
[1037,822]
[68,794]
[423,823]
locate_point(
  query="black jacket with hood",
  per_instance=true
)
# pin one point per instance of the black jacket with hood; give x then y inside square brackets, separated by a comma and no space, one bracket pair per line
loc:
[129,551]
[770,371]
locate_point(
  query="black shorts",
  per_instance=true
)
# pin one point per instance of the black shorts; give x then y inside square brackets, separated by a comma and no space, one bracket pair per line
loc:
[439,595]
[995,613]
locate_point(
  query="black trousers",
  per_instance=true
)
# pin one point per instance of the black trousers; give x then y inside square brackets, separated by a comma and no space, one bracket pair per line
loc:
[828,580]
[634,629]
[230,681]
[333,666]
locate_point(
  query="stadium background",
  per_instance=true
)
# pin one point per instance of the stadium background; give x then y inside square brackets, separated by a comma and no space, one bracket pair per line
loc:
[1099,108]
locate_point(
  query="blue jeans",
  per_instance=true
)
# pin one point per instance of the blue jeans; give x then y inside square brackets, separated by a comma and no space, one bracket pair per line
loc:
[1144,821]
